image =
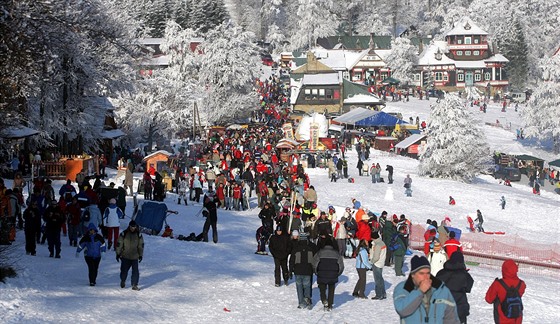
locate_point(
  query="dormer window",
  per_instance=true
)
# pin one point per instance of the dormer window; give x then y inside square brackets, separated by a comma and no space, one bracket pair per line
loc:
[438,55]
[467,26]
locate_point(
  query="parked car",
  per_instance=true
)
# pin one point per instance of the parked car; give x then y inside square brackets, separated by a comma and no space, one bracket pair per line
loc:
[509,173]
[515,96]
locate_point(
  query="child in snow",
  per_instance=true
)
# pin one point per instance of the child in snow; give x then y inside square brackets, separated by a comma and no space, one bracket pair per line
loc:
[262,236]
[451,201]
[168,232]
[503,202]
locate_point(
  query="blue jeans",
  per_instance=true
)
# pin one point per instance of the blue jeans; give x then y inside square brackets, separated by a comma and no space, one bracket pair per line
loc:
[126,264]
[303,286]
[379,282]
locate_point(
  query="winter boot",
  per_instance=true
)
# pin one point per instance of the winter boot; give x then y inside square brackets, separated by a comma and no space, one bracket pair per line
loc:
[123,284]
[135,287]
[179,201]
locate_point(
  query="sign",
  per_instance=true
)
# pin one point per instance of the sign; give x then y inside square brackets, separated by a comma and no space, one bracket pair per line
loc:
[314,136]
[288,131]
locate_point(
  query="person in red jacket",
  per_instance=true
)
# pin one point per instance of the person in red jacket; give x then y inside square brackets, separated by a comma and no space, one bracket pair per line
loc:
[497,293]
[364,231]
[452,245]
[429,237]
[236,196]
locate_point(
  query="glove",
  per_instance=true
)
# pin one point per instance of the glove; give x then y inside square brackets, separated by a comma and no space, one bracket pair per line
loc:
[77,254]
[118,257]
[139,259]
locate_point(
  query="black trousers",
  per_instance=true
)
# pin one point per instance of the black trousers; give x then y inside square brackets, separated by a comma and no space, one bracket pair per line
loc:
[93,266]
[206,228]
[280,264]
[323,293]
[30,241]
[360,287]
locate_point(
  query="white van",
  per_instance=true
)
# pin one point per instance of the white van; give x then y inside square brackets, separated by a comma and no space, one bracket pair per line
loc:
[517,96]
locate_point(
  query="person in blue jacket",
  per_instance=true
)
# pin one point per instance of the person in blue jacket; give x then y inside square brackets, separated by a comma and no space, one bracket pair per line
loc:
[94,246]
[362,266]
[423,298]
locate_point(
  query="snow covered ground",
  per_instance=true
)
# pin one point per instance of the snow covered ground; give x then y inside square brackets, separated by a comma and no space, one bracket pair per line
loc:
[187,282]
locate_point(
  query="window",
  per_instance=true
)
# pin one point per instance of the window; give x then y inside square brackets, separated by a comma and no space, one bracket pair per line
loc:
[467,53]
[328,94]
[460,77]
[468,40]
[459,53]
[477,77]
[357,77]
[487,76]
[445,77]
[314,93]
[476,53]
[321,93]
[417,77]
[346,75]
[439,76]
[476,40]
[307,94]
[459,41]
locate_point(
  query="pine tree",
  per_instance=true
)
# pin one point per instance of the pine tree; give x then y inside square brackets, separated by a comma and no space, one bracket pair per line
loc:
[208,14]
[315,20]
[542,112]
[510,40]
[456,147]
[402,59]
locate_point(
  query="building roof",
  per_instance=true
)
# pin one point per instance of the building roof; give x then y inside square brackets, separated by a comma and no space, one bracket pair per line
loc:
[466,26]
[16,132]
[428,57]
[355,115]
[321,79]
[164,152]
[497,58]
[410,140]
[355,93]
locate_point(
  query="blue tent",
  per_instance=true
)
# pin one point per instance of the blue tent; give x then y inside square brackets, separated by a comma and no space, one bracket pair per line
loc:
[380,119]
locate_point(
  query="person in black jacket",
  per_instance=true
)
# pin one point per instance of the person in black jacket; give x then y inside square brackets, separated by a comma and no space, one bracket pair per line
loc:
[210,211]
[389,170]
[459,282]
[267,215]
[301,258]
[32,217]
[328,265]
[53,224]
[279,247]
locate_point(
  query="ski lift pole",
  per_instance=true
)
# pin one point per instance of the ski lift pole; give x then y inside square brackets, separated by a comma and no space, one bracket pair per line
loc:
[292,206]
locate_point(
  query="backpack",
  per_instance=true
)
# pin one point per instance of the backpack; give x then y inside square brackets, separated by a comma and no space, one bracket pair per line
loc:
[394,243]
[512,305]
[86,217]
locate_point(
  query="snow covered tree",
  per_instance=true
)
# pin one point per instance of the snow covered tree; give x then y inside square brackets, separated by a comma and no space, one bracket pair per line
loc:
[348,13]
[402,59]
[542,113]
[369,20]
[510,39]
[207,15]
[315,20]
[456,147]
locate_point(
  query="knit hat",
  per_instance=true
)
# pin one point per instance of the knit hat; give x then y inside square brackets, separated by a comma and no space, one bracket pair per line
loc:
[279,228]
[132,223]
[437,246]
[295,233]
[418,262]
[451,234]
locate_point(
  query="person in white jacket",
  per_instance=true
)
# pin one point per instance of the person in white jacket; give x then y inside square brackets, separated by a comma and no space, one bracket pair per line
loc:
[377,259]
[111,220]
[437,258]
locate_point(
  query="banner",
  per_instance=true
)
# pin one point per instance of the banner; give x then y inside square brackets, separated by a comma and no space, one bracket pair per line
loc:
[314,136]
[288,131]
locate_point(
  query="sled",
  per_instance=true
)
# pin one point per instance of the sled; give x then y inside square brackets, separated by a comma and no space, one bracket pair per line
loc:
[496,233]
[151,215]
[471,224]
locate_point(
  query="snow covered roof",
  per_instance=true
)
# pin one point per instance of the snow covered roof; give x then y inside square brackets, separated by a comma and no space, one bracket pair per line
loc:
[161,60]
[466,26]
[470,64]
[497,58]
[355,115]
[383,53]
[164,152]
[410,140]
[112,133]
[361,99]
[15,132]
[428,57]
[320,79]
